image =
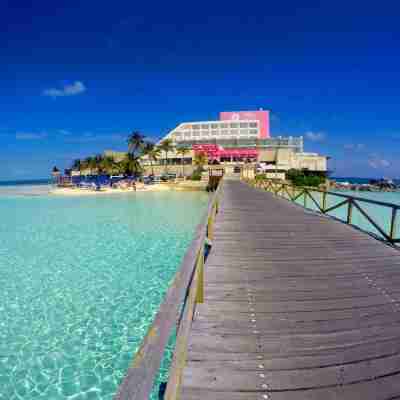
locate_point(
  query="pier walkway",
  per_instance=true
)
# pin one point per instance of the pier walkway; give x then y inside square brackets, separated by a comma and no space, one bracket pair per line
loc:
[297,306]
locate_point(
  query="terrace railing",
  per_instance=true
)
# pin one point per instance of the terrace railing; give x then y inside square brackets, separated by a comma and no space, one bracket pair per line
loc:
[177,310]
[376,217]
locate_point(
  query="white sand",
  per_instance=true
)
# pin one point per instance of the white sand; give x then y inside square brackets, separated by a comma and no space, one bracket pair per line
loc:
[84,192]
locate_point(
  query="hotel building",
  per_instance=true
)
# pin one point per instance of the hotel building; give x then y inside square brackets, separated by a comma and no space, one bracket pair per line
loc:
[238,137]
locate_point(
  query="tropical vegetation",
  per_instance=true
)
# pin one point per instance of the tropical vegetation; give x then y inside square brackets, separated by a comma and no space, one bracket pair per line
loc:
[166,146]
[136,143]
[153,153]
[200,160]
[305,178]
[128,165]
[183,151]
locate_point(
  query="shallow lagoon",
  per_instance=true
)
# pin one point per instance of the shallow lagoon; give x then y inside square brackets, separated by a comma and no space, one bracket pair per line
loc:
[81,281]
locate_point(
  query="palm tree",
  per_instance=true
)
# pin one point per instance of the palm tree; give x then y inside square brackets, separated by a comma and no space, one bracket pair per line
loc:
[108,165]
[167,145]
[77,165]
[90,164]
[182,151]
[152,152]
[131,165]
[200,159]
[99,164]
[135,142]
[55,172]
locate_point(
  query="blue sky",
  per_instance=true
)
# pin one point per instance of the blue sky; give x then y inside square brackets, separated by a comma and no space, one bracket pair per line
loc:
[76,77]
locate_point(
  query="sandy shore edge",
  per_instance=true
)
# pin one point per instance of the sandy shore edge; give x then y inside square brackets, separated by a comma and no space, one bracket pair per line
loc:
[185,186]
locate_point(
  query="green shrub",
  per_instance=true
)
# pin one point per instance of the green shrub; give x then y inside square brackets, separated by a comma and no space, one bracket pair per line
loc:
[302,178]
[196,175]
[260,177]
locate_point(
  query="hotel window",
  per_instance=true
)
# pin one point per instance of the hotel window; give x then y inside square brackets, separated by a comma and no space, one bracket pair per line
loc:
[196,127]
[253,124]
[214,126]
[225,133]
[243,125]
[234,125]
[244,132]
[253,131]
[197,133]
[235,132]
[205,126]
[205,133]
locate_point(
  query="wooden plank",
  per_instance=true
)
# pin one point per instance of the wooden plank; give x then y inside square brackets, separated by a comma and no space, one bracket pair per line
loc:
[377,389]
[221,377]
[346,355]
[316,302]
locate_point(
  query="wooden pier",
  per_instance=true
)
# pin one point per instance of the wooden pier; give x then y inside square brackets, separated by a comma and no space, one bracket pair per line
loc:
[295,306]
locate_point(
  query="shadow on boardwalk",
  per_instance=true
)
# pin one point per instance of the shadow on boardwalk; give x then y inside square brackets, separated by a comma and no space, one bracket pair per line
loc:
[296,307]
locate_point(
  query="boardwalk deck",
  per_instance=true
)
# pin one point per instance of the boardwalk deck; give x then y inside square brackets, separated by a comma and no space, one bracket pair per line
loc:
[297,306]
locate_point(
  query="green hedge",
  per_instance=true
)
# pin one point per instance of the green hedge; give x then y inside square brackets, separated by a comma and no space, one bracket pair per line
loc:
[196,175]
[300,178]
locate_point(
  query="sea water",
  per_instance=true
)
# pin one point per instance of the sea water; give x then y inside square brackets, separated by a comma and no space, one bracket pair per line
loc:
[81,280]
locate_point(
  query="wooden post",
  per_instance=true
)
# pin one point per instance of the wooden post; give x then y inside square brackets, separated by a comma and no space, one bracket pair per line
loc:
[210,227]
[200,281]
[393,224]
[324,201]
[349,211]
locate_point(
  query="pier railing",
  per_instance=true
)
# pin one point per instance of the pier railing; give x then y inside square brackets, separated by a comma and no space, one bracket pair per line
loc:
[177,310]
[377,217]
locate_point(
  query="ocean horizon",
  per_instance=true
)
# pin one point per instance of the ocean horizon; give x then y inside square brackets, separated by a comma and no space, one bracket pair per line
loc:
[48,181]
[27,182]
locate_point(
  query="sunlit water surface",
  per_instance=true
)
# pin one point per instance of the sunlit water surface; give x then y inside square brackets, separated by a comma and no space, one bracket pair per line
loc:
[81,280]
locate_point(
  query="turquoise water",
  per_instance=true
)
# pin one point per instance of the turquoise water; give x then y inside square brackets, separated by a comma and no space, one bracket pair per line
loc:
[81,280]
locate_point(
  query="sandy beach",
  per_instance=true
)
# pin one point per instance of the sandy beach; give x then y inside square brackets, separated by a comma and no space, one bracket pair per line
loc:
[182,186]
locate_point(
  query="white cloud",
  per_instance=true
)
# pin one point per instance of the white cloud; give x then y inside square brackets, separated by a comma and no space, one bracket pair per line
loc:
[378,163]
[30,136]
[315,136]
[72,89]
[356,146]
[64,132]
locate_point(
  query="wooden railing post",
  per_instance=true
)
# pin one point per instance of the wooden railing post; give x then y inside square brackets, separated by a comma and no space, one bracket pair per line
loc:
[393,224]
[210,226]
[324,201]
[350,211]
[200,280]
